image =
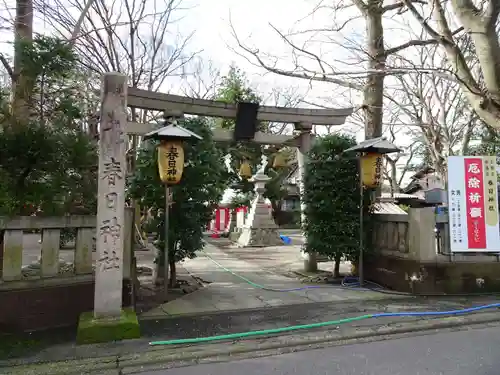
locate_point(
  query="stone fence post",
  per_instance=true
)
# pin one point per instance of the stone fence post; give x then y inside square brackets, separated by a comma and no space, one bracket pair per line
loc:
[421,234]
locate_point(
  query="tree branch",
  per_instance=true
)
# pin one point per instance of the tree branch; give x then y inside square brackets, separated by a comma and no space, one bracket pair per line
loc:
[361,5]
[7,66]
[488,109]
[304,74]
[416,43]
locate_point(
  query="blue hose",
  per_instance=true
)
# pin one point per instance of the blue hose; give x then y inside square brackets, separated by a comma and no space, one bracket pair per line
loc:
[438,313]
[347,281]
[240,335]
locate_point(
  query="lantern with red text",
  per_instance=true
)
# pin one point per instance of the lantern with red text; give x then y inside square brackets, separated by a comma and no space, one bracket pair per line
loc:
[171,151]
[170,161]
[371,169]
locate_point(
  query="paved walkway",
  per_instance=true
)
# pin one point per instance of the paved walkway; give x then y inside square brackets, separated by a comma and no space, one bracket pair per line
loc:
[279,259]
[226,292]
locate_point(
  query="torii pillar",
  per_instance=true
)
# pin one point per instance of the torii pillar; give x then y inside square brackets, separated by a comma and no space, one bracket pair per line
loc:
[303,148]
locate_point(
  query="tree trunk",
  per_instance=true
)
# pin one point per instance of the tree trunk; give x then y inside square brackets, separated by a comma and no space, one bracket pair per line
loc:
[374,88]
[22,83]
[336,268]
[173,275]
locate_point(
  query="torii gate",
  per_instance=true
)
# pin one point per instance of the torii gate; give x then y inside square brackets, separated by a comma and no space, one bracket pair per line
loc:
[114,127]
[302,118]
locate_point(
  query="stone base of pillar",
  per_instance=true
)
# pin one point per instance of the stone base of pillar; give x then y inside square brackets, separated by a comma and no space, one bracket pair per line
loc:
[310,266]
[259,237]
[92,331]
[310,262]
[234,236]
[260,229]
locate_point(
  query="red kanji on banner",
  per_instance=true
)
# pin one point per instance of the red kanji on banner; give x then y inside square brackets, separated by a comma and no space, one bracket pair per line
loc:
[474,195]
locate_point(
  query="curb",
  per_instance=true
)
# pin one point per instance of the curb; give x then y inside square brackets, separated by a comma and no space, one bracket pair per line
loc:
[209,313]
[157,359]
[306,276]
[179,356]
[194,278]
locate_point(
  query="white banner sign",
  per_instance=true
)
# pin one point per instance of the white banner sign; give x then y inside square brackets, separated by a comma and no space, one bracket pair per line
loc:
[473,204]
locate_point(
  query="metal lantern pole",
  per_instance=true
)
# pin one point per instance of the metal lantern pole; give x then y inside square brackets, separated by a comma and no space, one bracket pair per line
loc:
[361,275]
[166,247]
[378,146]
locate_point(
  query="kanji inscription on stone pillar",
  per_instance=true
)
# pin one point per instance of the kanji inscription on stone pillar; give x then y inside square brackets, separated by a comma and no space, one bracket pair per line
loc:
[111,197]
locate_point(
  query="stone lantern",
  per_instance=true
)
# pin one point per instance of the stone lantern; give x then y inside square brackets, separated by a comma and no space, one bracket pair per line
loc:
[260,229]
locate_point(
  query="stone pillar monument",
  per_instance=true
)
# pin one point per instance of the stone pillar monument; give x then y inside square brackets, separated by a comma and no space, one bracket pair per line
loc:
[111,197]
[260,229]
[111,230]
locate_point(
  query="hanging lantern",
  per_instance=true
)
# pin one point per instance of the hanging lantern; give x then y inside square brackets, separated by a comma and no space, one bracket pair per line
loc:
[170,161]
[371,169]
[279,161]
[245,170]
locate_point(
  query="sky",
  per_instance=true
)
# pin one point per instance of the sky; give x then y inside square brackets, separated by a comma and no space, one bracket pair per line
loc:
[210,20]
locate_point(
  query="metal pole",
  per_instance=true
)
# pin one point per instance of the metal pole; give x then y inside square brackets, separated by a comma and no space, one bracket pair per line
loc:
[167,225]
[361,234]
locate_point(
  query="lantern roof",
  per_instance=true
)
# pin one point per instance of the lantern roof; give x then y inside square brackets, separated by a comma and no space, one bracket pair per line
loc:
[378,145]
[172,131]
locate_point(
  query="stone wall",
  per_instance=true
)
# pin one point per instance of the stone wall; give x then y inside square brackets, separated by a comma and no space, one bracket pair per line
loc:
[408,275]
[51,292]
[49,306]
[411,256]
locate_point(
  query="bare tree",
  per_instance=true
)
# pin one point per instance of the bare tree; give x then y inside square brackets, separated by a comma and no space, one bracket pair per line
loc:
[289,97]
[137,38]
[480,23]
[435,107]
[309,60]
[397,165]
[204,80]
[134,37]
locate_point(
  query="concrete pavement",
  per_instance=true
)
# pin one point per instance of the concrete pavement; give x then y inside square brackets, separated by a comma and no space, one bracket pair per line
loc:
[226,292]
[135,356]
[281,259]
[464,352]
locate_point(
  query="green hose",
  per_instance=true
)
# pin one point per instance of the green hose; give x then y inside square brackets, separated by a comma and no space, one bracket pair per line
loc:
[312,325]
[254,333]
[255,285]
[258,333]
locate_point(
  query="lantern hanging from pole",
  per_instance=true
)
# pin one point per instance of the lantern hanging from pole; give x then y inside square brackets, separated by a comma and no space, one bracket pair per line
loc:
[279,161]
[170,161]
[245,170]
[371,169]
